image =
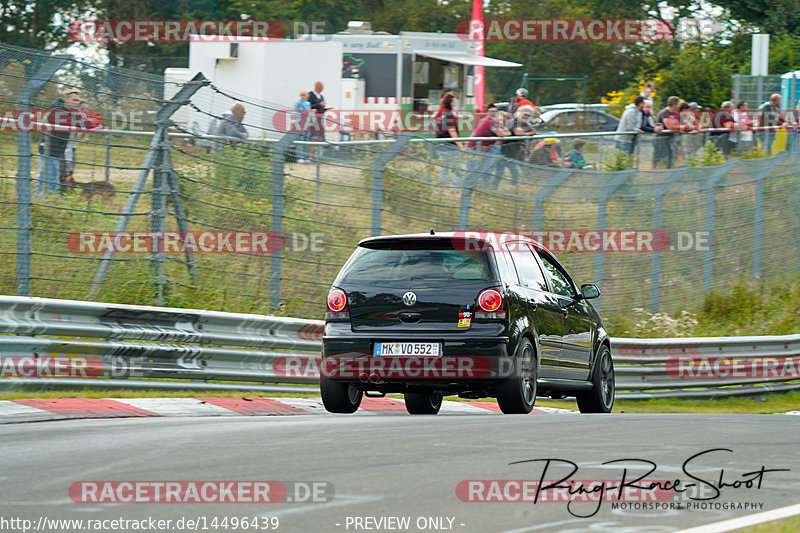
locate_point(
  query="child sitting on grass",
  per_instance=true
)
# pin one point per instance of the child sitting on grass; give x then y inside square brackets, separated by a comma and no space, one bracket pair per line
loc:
[575,156]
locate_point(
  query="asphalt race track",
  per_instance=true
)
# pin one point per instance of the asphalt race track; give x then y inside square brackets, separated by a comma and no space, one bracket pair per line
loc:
[399,466]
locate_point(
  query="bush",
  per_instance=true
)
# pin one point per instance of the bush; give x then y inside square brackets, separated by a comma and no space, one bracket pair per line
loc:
[619,160]
[709,157]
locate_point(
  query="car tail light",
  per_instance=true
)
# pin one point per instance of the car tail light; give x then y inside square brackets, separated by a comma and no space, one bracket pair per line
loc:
[337,305]
[491,304]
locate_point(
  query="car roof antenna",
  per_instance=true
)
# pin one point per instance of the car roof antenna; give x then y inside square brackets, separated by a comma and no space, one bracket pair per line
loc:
[432,232]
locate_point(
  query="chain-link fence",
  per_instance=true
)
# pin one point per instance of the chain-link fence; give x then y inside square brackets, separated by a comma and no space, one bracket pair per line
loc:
[756,90]
[187,212]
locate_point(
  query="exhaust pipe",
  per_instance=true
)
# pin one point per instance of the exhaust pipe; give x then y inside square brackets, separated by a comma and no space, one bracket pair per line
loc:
[375,378]
[363,377]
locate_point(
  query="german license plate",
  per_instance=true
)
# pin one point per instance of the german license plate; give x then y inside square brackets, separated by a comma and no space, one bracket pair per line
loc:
[419,349]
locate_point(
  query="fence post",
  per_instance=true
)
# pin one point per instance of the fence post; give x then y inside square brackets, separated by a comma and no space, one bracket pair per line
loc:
[377,180]
[162,123]
[158,212]
[474,172]
[621,179]
[108,156]
[758,211]
[180,213]
[711,183]
[538,205]
[658,212]
[279,152]
[24,156]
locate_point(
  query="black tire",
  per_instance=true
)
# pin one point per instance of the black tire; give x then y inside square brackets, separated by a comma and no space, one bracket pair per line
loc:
[423,403]
[600,399]
[517,394]
[339,397]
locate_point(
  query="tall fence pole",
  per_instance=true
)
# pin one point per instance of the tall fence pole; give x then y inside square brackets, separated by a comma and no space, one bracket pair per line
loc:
[163,122]
[474,173]
[377,181]
[180,214]
[538,204]
[758,211]
[619,180]
[658,216]
[279,152]
[708,255]
[158,213]
[24,156]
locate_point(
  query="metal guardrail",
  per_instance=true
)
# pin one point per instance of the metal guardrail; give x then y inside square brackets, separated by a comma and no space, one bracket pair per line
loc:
[63,343]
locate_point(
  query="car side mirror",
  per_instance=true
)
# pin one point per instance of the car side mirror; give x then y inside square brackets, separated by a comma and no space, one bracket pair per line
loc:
[589,291]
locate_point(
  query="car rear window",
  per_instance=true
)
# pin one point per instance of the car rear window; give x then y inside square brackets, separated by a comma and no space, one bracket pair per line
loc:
[416,264]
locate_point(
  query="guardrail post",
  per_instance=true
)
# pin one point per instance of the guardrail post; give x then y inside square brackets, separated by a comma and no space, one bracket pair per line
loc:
[377,180]
[278,200]
[538,205]
[658,212]
[708,256]
[24,156]
[758,211]
[162,123]
[474,172]
[599,256]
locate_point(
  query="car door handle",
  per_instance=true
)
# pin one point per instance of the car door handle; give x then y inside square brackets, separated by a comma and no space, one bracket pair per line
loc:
[565,312]
[532,303]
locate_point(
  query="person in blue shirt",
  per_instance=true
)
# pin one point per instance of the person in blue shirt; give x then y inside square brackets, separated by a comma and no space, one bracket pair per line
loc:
[575,156]
[302,106]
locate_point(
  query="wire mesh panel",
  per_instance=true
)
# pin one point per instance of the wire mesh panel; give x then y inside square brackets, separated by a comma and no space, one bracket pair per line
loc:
[193,195]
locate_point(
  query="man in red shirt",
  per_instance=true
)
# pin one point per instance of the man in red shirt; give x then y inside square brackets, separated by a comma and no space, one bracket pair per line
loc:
[492,125]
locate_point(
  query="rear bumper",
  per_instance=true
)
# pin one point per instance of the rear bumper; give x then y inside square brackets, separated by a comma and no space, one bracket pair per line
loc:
[467,363]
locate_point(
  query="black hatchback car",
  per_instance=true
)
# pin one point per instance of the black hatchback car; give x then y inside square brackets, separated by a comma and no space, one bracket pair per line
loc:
[466,313]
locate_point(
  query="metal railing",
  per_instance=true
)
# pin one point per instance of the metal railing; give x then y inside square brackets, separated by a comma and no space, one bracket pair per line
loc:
[72,343]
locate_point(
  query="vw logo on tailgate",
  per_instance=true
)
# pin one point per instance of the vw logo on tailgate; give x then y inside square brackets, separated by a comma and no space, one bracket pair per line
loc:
[409,298]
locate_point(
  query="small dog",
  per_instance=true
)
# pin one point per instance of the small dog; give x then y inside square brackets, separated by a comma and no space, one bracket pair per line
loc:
[103,189]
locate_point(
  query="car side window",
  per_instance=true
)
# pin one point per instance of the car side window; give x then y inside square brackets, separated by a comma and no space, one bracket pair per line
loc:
[561,284]
[530,275]
[504,265]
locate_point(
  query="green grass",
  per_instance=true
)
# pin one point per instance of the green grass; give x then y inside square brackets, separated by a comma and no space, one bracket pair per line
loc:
[744,308]
[791,525]
[765,404]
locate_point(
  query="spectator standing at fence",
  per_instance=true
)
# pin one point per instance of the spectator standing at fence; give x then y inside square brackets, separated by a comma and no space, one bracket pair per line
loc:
[489,126]
[692,141]
[54,143]
[742,136]
[447,128]
[319,106]
[770,117]
[723,124]
[92,121]
[302,108]
[231,123]
[630,120]
[669,120]
[514,151]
